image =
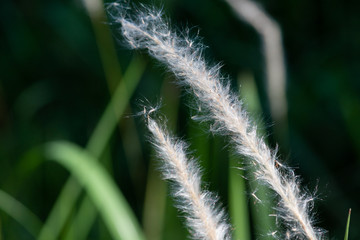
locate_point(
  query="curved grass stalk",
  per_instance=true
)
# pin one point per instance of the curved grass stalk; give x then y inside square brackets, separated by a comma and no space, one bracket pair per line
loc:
[270,34]
[102,190]
[96,145]
[238,207]
[20,213]
[347,226]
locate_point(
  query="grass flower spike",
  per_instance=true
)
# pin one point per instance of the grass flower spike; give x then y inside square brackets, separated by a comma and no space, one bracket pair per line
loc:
[204,219]
[145,28]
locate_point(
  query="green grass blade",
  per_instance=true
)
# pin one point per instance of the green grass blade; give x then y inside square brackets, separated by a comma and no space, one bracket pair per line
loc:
[120,99]
[96,145]
[238,207]
[104,41]
[154,204]
[102,190]
[260,211]
[20,213]
[100,138]
[83,220]
[347,226]
[61,210]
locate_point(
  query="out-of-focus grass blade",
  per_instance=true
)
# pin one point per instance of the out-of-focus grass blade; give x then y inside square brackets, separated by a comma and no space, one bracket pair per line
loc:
[350,106]
[154,204]
[96,146]
[347,226]
[82,221]
[102,190]
[239,212]
[20,213]
[105,42]
[200,143]
[120,99]
[100,138]
[262,222]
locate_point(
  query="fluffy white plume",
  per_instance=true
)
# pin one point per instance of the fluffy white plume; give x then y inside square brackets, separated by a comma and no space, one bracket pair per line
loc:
[204,219]
[145,28]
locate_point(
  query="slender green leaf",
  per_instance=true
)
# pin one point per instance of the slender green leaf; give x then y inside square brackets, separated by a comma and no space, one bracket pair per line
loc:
[260,212]
[100,187]
[154,204]
[120,99]
[96,145]
[83,220]
[99,140]
[20,213]
[238,207]
[347,226]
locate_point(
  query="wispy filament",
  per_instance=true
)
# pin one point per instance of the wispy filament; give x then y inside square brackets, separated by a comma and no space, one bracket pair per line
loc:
[146,29]
[205,220]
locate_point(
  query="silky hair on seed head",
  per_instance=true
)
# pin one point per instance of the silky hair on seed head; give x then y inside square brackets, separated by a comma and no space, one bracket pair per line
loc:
[204,217]
[146,28]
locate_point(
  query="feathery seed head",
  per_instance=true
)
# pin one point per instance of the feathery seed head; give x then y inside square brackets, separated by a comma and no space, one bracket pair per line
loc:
[205,219]
[146,29]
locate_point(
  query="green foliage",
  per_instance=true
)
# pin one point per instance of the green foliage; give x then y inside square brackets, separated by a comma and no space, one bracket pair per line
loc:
[347,226]
[20,213]
[100,187]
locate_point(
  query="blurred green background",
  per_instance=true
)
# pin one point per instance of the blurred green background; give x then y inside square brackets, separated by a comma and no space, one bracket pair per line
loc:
[60,66]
